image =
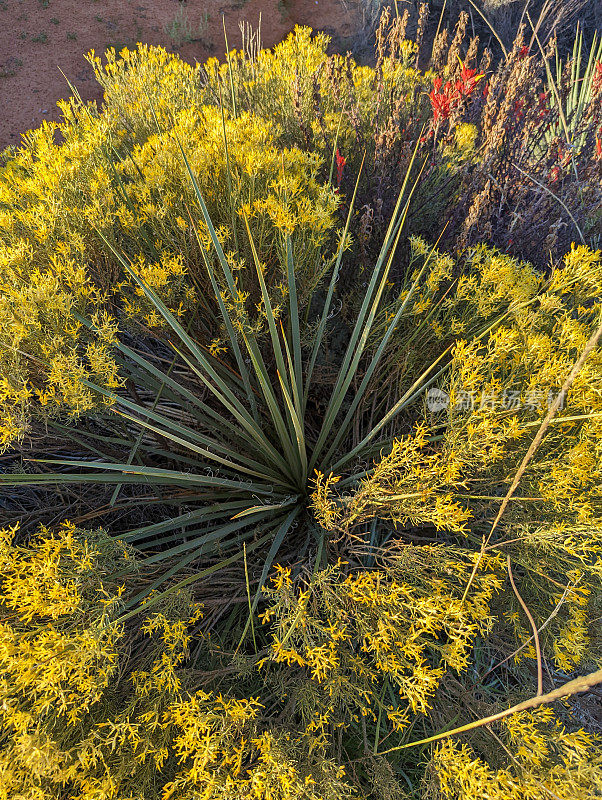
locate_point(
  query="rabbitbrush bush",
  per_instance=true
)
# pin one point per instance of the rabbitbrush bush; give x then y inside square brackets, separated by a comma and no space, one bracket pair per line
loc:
[285,508]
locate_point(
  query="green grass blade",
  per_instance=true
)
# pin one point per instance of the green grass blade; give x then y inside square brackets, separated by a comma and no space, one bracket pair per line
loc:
[274,548]
[231,77]
[335,147]
[228,169]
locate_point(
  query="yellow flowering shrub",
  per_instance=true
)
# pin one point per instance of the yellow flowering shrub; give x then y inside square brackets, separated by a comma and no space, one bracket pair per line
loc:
[350,632]
[79,190]
[284,84]
[544,760]
[497,388]
[452,470]
[95,708]
[282,392]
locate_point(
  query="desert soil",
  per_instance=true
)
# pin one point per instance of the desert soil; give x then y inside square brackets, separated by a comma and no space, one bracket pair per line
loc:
[42,39]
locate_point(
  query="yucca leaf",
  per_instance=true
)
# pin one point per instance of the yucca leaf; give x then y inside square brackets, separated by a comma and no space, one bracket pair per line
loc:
[227,322]
[408,397]
[80,441]
[365,318]
[329,295]
[298,427]
[160,596]
[297,401]
[182,520]
[202,451]
[203,412]
[258,509]
[208,536]
[344,426]
[274,548]
[210,377]
[255,354]
[269,312]
[105,438]
[260,438]
[167,474]
[64,478]
[170,425]
[283,434]
[294,321]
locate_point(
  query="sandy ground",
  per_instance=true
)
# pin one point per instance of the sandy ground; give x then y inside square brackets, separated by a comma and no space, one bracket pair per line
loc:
[39,38]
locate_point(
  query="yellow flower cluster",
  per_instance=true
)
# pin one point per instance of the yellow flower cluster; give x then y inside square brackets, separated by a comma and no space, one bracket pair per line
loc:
[543,760]
[95,708]
[352,631]
[409,486]
[515,336]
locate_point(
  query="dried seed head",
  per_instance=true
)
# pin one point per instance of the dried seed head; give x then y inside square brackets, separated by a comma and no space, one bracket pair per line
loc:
[485,64]
[453,55]
[439,50]
[423,14]
[472,52]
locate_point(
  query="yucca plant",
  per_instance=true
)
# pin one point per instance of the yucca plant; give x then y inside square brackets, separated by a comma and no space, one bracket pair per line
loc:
[578,72]
[235,438]
[238,435]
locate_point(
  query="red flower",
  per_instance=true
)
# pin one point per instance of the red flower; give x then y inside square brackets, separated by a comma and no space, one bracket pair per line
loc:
[341,161]
[598,147]
[444,98]
[543,105]
[523,52]
[486,91]
[440,101]
[468,80]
